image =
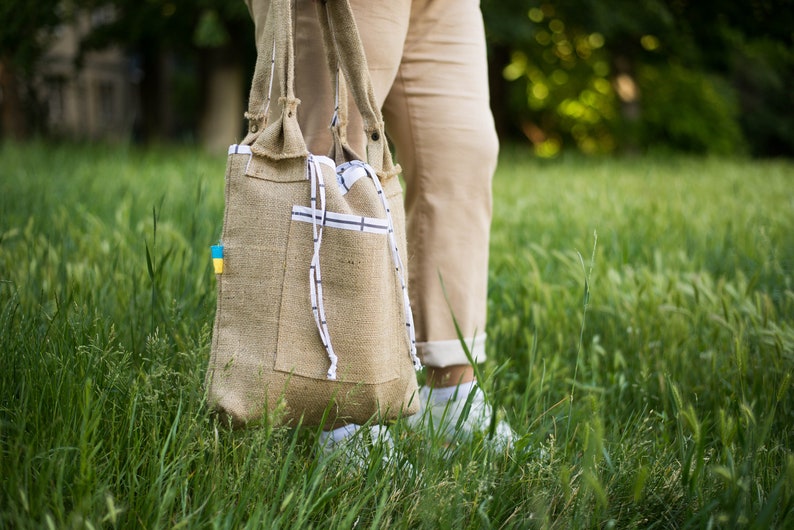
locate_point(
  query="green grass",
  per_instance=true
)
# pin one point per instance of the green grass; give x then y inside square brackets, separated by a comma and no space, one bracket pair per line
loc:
[653,366]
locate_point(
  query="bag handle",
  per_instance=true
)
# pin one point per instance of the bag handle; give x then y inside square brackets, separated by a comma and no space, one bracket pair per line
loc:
[282,138]
[345,52]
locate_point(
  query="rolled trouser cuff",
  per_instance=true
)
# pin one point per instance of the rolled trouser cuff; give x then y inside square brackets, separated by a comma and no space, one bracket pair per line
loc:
[443,353]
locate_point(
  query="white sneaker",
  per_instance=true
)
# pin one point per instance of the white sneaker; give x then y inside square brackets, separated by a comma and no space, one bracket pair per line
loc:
[356,444]
[459,416]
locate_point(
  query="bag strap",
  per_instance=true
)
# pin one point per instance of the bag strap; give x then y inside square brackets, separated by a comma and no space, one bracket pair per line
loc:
[345,52]
[282,138]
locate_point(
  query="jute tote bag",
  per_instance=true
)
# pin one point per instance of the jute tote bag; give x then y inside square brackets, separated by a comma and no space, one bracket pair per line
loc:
[313,321]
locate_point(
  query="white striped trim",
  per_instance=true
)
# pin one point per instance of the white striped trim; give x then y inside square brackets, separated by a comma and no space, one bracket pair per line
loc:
[356,223]
[237,149]
[323,160]
[349,176]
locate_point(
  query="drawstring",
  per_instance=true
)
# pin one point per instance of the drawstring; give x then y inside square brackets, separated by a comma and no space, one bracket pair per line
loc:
[315,277]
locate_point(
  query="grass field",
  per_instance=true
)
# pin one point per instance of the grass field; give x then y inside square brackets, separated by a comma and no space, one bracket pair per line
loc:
[641,329]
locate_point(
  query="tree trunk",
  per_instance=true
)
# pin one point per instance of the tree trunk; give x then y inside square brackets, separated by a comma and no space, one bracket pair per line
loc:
[221,115]
[499,57]
[12,116]
[156,104]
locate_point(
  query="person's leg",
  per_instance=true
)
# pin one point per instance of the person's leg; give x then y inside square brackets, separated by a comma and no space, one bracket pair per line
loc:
[427,62]
[431,72]
[439,118]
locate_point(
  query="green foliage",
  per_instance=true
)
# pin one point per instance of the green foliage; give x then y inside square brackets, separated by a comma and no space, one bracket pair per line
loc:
[563,79]
[210,32]
[26,29]
[687,111]
[560,86]
[733,60]
[176,46]
[167,24]
[763,72]
[650,387]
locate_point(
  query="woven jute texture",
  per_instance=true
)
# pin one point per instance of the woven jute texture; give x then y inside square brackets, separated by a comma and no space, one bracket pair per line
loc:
[267,356]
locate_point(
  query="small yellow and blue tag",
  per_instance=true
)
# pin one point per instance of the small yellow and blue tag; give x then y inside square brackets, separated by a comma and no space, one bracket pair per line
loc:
[217,258]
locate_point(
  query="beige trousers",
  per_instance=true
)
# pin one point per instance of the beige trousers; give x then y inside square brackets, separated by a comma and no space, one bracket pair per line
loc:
[427,61]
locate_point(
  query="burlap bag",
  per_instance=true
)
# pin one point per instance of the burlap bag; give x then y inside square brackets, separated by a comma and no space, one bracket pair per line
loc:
[313,320]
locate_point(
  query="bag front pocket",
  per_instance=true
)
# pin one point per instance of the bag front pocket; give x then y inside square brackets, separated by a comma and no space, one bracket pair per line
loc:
[362,305]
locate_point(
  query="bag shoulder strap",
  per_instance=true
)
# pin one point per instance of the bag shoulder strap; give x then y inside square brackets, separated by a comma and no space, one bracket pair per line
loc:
[282,138]
[345,52]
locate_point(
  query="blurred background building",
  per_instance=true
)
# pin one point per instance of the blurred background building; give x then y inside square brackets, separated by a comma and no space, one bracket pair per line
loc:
[94,96]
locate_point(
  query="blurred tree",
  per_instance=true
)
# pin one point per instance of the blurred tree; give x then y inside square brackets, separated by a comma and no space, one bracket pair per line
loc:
[602,74]
[763,73]
[751,45]
[25,31]
[507,29]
